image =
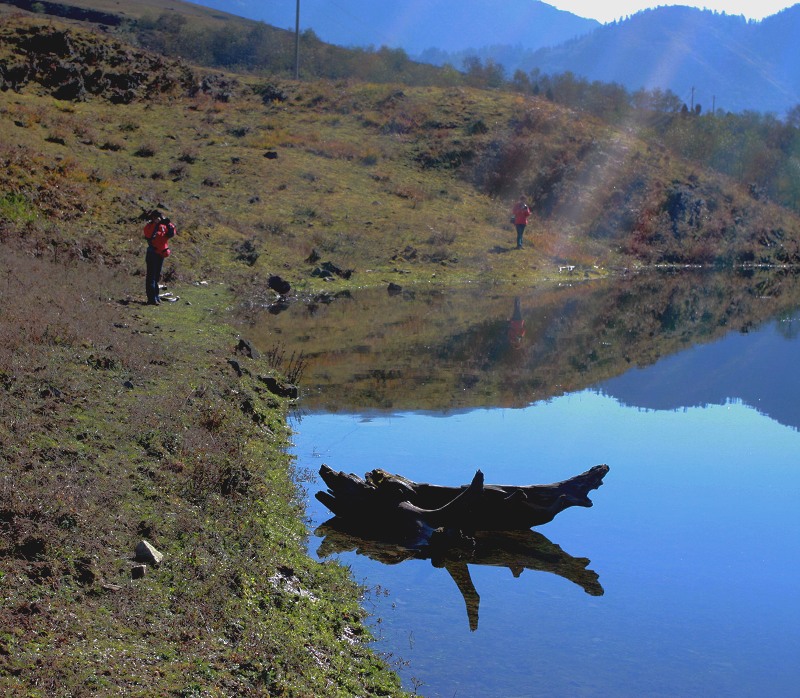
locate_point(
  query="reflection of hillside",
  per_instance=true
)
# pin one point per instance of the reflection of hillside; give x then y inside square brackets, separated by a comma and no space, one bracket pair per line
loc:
[759,368]
[449,350]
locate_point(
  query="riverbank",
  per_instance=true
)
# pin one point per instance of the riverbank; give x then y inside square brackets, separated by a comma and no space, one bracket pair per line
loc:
[120,423]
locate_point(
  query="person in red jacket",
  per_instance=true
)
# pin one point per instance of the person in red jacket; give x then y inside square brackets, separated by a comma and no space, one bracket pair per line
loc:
[157,232]
[521,213]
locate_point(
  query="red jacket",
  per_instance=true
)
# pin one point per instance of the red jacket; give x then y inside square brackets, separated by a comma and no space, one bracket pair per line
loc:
[158,235]
[521,213]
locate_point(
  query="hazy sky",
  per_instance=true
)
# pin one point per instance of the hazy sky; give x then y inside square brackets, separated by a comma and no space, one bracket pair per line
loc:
[609,10]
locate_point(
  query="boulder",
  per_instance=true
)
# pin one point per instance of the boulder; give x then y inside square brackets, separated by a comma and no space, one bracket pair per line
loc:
[146,553]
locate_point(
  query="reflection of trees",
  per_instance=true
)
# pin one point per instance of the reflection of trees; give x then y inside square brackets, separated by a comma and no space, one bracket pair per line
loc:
[516,550]
[789,325]
[450,350]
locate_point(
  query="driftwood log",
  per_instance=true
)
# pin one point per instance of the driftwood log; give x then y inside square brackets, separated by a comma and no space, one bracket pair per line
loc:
[395,506]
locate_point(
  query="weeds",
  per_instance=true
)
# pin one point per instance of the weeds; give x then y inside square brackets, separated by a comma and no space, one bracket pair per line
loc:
[16,208]
[291,367]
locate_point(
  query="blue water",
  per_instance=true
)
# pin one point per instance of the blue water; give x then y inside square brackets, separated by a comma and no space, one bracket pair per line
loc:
[695,536]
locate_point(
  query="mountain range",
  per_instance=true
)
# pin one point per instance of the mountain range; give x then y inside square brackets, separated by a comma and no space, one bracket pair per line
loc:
[732,63]
[450,26]
[708,58]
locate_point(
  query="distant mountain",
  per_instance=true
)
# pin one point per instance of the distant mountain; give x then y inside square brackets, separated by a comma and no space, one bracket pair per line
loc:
[449,26]
[732,63]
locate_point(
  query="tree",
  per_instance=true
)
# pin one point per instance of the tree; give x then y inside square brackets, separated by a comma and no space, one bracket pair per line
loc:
[521,82]
[793,116]
[491,74]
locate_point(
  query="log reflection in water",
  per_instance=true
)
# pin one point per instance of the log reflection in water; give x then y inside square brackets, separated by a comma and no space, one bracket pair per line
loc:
[516,550]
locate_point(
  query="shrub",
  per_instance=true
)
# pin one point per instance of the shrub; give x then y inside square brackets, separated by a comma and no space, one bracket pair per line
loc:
[16,208]
[112,145]
[57,137]
[188,156]
[145,150]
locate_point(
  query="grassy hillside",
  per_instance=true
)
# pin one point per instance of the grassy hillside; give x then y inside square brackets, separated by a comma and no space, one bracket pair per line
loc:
[374,178]
[121,422]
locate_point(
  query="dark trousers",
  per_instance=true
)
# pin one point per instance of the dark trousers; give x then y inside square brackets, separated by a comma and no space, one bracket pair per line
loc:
[520,231]
[154,263]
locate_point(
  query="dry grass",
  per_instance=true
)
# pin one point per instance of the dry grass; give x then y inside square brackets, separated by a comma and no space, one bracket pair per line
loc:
[120,422]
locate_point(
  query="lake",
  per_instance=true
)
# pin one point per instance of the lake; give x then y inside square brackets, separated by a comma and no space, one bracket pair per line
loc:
[680,580]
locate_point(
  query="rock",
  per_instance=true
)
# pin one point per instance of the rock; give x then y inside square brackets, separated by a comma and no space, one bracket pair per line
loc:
[138,571]
[272,93]
[685,208]
[278,307]
[280,389]
[147,553]
[280,285]
[85,572]
[69,67]
[394,289]
[246,348]
[327,270]
[236,367]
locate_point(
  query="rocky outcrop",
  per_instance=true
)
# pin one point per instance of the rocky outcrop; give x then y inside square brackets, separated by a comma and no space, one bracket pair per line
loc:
[57,9]
[71,66]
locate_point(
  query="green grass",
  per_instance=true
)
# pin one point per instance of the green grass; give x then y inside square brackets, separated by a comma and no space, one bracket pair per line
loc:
[122,422]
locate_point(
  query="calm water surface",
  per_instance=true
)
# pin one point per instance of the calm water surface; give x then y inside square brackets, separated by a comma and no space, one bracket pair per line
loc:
[694,536]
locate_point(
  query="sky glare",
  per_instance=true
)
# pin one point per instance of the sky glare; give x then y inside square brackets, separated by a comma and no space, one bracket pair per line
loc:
[611,10]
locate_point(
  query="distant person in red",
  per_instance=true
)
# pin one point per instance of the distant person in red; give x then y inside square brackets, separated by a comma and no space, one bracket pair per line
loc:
[157,232]
[516,326]
[521,213]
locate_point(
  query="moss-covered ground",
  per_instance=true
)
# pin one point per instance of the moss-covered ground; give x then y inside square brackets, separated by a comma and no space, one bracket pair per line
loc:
[121,422]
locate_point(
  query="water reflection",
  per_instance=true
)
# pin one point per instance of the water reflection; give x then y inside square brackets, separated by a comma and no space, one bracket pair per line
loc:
[697,539]
[516,326]
[758,368]
[516,550]
[489,347]
[696,543]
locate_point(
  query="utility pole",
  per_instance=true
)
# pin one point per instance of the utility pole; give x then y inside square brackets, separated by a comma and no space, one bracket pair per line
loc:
[692,109]
[297,43]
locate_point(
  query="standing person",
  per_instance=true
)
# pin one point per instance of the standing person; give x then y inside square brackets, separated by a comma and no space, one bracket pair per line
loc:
[157,232]
[521,213]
